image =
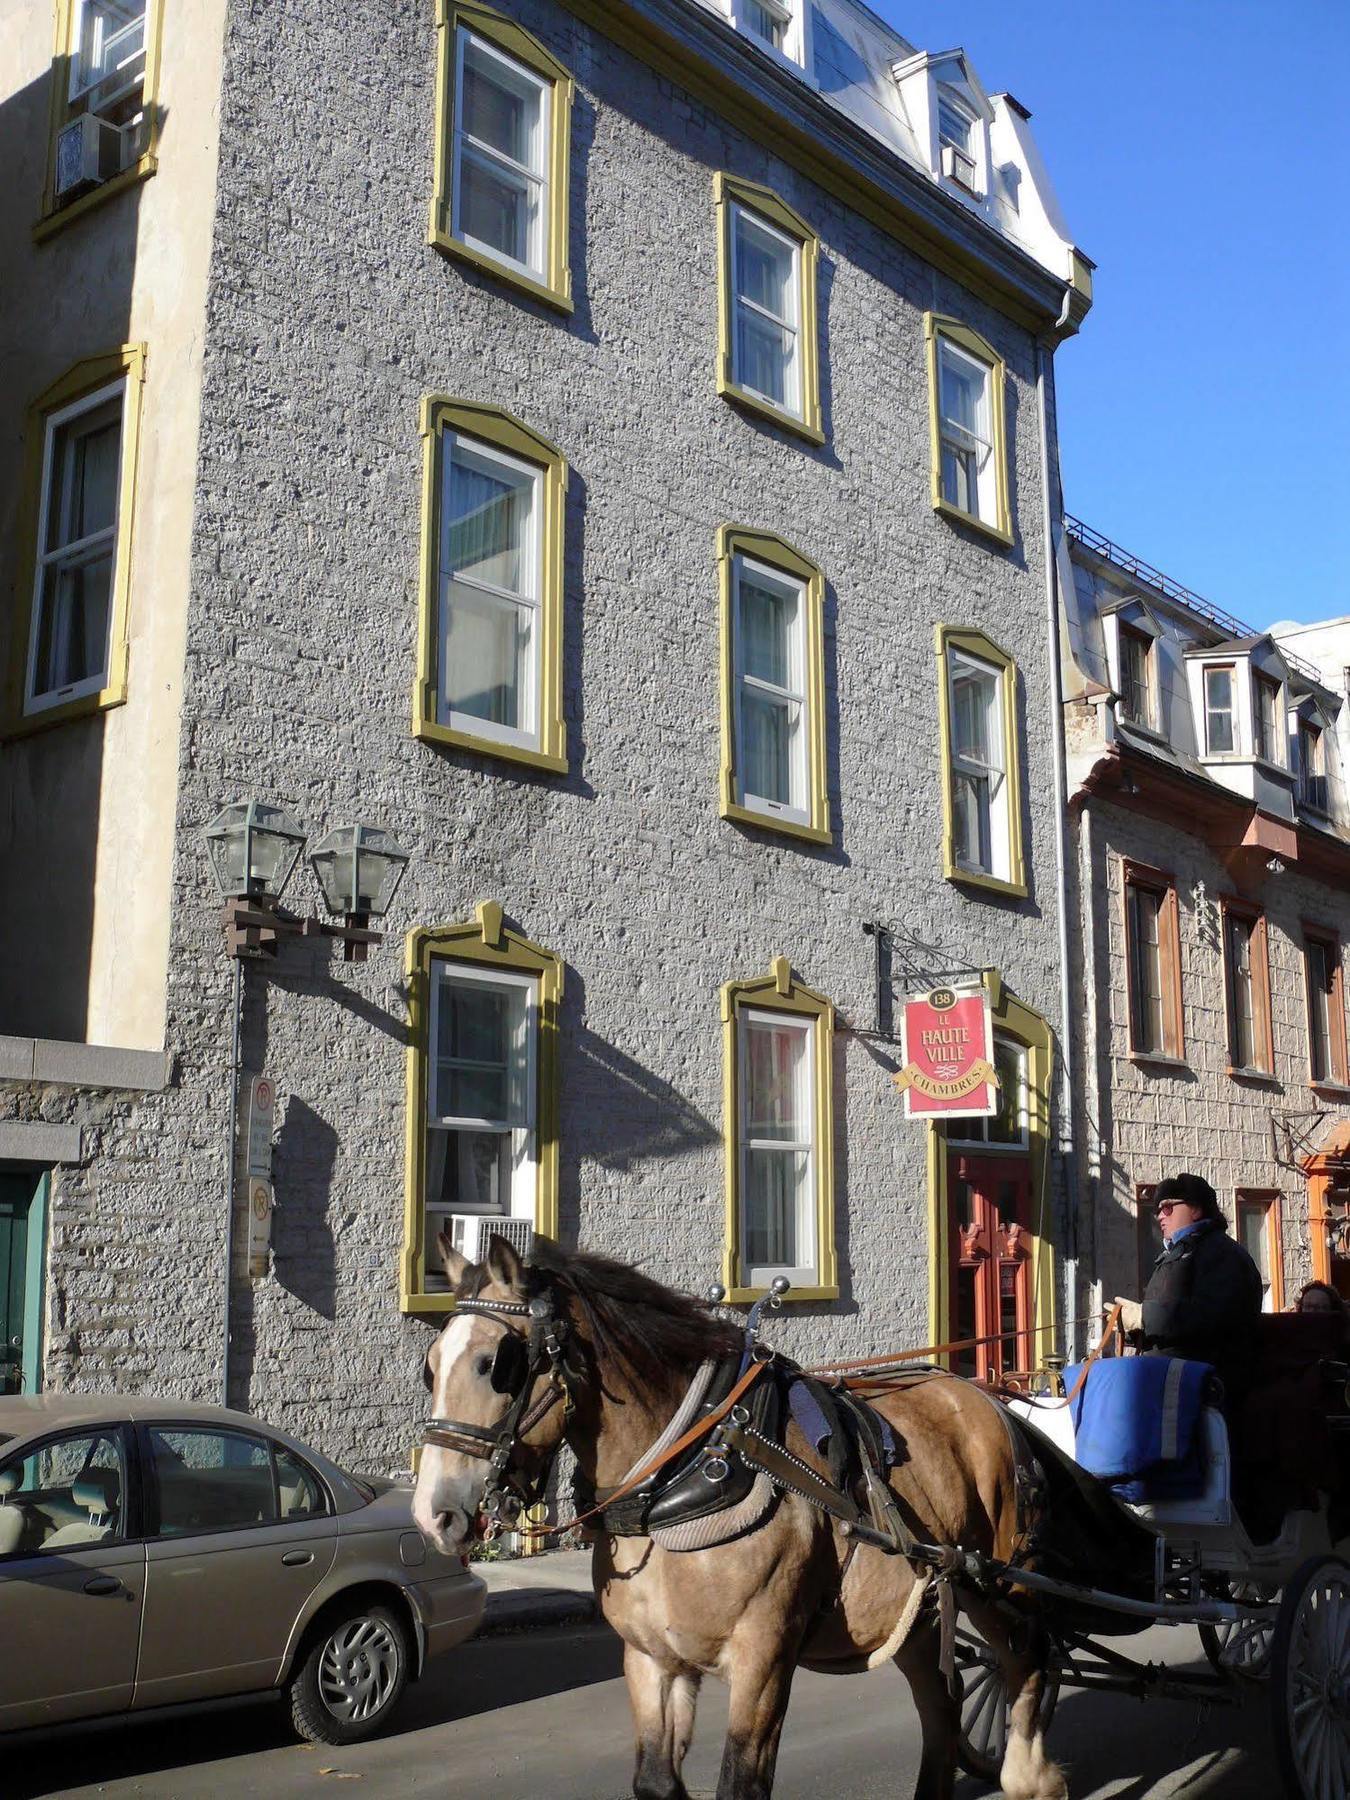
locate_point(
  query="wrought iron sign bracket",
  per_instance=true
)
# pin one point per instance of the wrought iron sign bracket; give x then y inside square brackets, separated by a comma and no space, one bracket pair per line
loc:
[902,953]
[1293,1137]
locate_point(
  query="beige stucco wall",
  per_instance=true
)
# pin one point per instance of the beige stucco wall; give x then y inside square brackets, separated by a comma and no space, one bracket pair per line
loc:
[87,807]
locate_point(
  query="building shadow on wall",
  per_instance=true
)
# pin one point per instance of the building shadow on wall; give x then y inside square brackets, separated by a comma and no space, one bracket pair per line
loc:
[304,1247]
[65,300]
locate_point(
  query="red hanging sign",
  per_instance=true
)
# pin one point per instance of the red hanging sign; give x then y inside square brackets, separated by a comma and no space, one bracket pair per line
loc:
[948,1052]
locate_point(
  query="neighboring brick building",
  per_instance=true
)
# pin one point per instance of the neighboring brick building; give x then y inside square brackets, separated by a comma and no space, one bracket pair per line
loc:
[712,401]
[1212,830]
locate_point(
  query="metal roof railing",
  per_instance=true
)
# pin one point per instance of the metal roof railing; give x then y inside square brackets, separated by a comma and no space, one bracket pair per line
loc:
[1173,590]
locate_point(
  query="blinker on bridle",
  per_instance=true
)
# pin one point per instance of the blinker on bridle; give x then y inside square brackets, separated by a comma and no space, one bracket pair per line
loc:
[517,1361]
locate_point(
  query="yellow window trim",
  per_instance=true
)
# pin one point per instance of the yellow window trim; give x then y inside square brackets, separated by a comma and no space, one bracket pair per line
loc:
[487,942]
[506,35]
[936,327]
[492,425]
[54,217]
[768,547]
[976,644]
[85,377]
[1026,1027]
[729,191]
[779,992]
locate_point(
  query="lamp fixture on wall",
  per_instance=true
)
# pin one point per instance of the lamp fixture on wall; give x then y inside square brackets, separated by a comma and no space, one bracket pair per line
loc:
[252,848]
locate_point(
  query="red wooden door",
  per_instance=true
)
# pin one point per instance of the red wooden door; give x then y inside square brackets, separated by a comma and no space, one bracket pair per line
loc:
[989,1230]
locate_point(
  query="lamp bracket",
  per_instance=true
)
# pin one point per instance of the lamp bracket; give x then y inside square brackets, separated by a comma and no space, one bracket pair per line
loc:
[254,928]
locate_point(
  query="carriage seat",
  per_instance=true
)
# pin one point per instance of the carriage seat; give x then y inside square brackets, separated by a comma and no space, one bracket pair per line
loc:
[1213,1503]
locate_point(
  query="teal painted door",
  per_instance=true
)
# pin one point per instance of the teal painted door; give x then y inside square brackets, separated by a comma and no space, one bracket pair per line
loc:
[21,1260]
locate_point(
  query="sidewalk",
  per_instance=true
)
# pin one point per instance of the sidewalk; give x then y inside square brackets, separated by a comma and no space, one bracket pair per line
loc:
[529,1591]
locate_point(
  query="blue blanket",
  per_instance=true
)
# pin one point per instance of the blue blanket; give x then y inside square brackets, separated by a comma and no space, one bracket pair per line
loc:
[1135,1424]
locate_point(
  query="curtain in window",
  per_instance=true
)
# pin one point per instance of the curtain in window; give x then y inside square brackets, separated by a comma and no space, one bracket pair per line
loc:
[777,1138]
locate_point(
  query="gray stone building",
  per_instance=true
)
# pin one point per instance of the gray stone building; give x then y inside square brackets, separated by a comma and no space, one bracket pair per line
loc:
[1211,828]
[611,446]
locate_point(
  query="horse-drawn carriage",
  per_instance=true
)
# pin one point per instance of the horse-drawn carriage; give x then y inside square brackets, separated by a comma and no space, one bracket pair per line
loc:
[750,1516]
[1272,1602]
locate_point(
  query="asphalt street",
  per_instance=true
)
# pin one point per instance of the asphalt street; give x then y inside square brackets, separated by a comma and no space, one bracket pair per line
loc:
[543,1715]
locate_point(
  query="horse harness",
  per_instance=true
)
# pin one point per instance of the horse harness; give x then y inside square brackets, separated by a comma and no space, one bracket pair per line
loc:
[518,1359]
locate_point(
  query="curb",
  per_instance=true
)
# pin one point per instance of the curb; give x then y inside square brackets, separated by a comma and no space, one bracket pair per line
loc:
[527,1610]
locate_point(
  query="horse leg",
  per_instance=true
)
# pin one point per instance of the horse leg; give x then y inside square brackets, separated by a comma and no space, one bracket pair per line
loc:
[1021,1649]
[663,1699]
[760,1687]
[939,1712]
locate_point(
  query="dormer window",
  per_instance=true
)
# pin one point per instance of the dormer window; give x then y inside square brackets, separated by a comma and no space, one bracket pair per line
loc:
[779,25]
[769,20]
[956,139]
[1268,737]
[1136,678]
[1220,737]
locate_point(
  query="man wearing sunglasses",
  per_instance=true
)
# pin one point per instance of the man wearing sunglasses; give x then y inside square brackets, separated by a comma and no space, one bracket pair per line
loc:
[1204,1296]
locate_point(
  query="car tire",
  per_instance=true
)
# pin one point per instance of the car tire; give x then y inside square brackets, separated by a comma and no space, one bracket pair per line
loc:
[351,1677]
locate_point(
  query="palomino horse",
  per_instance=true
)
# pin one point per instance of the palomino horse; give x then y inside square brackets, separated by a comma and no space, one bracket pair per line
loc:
[792,1591]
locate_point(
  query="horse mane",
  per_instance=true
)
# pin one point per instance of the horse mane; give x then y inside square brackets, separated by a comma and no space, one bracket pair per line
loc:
[654,1330]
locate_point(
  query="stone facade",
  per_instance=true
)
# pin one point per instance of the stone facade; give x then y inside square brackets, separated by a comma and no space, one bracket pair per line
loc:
[328,319]
[1158,798]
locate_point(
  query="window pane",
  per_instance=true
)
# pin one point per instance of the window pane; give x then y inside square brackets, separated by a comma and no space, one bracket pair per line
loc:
[211,1481]
[962,395]
[960,478]
[86,455]
[1008,1124]
[775,1066]
[1241,1044]
[763,357]
[953,125]
[496,206]
[769,622]
[1319,1014]
[299,1489]
[488,647]
[1252,1227]
[774,1190]
[488,513]
[1146,1010]
[481,1052]
[73,624]
[1219,711]
[974,698]
[770,729]
[1136,699]
[501,105]
[971,820]
[469,1171]
[70,1494]
[764,269]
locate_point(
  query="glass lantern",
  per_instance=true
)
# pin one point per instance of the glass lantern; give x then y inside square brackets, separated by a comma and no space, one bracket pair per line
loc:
[358,868]
[252,848]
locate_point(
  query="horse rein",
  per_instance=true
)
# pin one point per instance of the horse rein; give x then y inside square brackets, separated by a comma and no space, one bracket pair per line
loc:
[518,1362]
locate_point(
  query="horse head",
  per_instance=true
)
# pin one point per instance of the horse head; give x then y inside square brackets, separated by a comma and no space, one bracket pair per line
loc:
[496,1373]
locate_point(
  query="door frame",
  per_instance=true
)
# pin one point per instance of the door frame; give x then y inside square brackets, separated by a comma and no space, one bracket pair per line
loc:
[35,1271]
[1026,1027]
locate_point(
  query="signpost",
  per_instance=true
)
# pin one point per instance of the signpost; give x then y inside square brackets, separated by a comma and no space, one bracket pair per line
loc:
[262,1105]
[948,1056]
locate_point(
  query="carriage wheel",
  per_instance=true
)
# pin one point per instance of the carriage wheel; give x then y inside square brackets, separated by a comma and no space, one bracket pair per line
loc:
[985,1707]
[1243,1648]
[1310,1681]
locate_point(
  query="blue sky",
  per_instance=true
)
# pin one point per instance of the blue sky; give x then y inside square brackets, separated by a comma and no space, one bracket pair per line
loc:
[1199,152]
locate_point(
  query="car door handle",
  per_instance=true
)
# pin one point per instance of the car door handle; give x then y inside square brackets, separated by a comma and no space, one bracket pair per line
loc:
[293,1559]
[103,1584]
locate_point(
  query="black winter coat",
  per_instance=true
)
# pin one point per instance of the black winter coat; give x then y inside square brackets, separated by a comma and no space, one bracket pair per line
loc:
[1202,1301]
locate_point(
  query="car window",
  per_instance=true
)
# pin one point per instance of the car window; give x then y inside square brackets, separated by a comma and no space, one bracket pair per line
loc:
[210,1481]
[301,1493]
[68,1494]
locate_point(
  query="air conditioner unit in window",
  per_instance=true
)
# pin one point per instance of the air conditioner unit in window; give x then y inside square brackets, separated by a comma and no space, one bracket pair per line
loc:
[88,152]
[470,1233]
[959,166]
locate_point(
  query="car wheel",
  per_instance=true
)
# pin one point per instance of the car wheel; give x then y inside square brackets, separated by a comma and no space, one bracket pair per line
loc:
[351,1677]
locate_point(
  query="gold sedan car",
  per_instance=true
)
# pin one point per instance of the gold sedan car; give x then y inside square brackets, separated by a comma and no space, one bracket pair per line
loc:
[153,1552]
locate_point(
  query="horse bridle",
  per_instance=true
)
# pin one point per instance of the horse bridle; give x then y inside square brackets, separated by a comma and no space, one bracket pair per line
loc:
[519,1359]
